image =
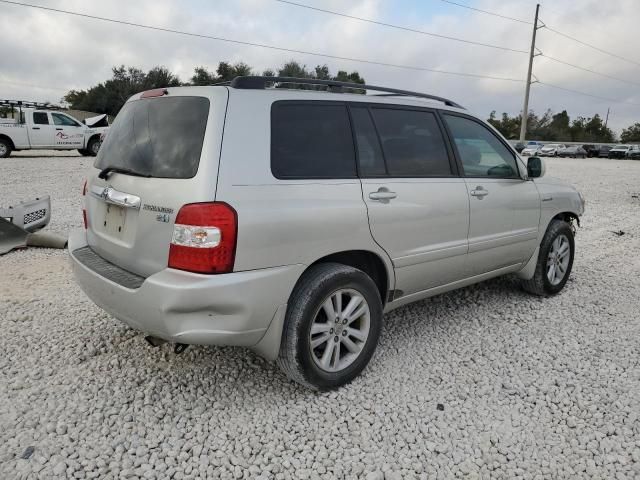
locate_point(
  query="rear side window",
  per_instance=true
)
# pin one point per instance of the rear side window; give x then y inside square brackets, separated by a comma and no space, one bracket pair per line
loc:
[40,118]
[412,143]
[157,137]
[311,141]
[481,152]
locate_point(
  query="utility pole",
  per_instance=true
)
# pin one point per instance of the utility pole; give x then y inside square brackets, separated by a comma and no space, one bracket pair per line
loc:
[607,119]
[532,53]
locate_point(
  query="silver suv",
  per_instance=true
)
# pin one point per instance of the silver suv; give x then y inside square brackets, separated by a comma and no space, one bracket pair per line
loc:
[290,220]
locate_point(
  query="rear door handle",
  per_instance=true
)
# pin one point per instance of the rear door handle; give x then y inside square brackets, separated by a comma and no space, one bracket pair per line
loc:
[479,192]
[35,128]
[383,195]
[58,129]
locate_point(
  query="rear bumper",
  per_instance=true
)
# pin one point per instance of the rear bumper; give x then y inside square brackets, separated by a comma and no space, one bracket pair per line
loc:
[182,307]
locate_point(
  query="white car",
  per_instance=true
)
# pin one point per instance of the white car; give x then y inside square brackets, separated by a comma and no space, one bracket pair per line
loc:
[51,130]
[531,149]
[551,150]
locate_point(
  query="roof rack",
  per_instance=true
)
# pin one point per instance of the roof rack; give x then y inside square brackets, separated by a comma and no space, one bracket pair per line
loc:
[259,83]
[28,104]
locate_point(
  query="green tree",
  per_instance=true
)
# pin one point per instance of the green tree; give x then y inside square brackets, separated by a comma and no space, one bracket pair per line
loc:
[631,134]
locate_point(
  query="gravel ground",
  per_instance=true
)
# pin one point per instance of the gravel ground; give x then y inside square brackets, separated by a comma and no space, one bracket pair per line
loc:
[485,382]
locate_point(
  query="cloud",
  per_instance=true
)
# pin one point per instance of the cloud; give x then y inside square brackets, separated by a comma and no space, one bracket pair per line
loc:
[49,53]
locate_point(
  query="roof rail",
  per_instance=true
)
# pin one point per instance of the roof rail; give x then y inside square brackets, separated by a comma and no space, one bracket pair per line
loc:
[259,83]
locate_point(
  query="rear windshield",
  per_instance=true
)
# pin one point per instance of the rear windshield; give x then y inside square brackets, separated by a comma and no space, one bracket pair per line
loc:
[157,137]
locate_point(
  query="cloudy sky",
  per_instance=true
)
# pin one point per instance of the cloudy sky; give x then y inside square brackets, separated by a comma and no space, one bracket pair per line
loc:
[46,53]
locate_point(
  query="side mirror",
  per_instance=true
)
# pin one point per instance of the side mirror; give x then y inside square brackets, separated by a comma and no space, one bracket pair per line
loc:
[535,167]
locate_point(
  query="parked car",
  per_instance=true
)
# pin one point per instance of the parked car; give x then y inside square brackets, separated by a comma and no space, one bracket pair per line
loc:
[531,148]
[271,244]
[592,150]
[573,151]
[551,150]
[603,151]
[48,129]
[634,152]
[619,151]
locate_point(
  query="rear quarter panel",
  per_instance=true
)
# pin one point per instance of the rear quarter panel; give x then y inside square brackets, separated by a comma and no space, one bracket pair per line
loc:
[18,133]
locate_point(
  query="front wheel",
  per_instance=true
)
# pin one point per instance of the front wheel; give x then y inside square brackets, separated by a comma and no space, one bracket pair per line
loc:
[555,260]
[332,326]
[93,146]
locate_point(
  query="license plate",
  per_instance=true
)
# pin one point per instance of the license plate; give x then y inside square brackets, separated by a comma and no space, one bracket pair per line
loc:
[114,220]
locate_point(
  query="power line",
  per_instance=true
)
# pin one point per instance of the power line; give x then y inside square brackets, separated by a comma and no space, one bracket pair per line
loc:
[615,55]
[588,70]
[262,45]
[400,27]
[487,12]
[587,94]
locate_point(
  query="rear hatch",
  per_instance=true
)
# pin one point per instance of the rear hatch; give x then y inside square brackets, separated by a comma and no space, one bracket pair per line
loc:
[161,153]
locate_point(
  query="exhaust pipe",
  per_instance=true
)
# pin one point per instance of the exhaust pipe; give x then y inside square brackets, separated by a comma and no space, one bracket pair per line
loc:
[154,341]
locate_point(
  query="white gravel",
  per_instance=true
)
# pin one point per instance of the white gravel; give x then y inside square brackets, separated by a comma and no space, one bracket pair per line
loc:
[485,382]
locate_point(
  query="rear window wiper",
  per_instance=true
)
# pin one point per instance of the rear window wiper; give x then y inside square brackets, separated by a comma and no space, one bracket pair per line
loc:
[105,172]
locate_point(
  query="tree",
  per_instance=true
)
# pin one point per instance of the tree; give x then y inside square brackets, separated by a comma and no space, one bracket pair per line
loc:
[631,134]
[109,96]
[552,127]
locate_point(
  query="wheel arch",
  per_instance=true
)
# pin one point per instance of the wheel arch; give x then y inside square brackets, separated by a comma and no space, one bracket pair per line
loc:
[568,217]
[369,262]
[8,138]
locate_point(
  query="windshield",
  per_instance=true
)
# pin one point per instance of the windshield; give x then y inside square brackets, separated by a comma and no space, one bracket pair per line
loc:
[621,147]
[157,137]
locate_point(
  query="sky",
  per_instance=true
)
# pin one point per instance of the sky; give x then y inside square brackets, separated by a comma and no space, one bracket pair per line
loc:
[45,54]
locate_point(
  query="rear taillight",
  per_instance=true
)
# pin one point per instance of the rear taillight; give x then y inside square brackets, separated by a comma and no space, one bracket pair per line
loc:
[84,211]
[204,238]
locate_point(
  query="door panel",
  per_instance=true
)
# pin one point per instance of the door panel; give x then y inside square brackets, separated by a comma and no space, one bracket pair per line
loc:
[504,208]
[69,134]
[504,223]
[422,220]
[424,229]
[41,130]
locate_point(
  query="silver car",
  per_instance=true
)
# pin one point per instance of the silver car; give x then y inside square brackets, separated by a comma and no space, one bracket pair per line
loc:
[291,220]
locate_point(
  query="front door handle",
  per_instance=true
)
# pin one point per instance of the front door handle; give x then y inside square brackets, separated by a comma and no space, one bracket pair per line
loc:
[383,195]
[479,192]
[58,128]
[35,128]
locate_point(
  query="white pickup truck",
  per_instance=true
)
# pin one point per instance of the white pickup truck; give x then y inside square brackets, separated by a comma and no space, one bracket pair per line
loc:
[50,130]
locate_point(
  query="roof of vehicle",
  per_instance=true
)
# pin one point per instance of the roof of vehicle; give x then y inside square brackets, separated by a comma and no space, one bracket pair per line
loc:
[331,90]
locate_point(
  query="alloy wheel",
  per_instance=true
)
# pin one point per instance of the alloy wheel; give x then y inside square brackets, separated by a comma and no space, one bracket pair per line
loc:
[339,330]
[558,259]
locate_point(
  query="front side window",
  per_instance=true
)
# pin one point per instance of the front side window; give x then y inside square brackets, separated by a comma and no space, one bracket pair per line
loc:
[63,120]
[311,141]
[40,118]
[482,154]
[412,143]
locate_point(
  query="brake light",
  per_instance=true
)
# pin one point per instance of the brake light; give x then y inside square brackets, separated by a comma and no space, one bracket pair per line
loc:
[156,92]
[204,238]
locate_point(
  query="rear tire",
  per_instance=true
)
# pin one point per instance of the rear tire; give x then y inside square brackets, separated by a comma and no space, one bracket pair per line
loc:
[309,351]
[555,260]
[5,148]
